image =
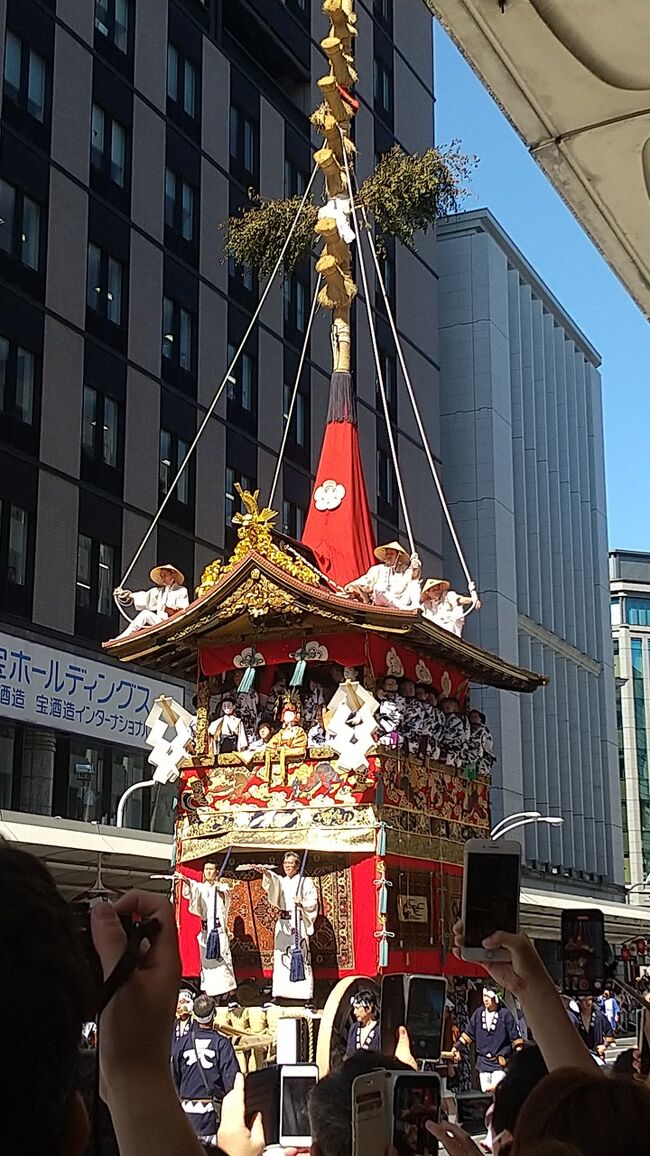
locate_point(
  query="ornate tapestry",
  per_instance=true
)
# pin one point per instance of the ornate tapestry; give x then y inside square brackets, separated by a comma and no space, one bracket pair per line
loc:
[252,920]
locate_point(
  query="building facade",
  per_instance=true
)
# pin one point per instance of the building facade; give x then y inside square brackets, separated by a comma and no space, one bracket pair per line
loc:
[521,427]
[629,578]
[130,131]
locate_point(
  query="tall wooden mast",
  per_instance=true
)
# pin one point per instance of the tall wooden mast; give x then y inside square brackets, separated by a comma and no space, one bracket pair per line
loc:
[333,119]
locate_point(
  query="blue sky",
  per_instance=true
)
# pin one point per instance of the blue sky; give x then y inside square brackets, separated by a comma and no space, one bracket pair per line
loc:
[514,188]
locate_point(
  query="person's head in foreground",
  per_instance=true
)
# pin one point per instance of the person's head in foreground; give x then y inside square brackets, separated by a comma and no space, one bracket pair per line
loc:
[364,1006]
[41,1110]
[330,1102]
[599,1115]
[525,1070]
[204,1009]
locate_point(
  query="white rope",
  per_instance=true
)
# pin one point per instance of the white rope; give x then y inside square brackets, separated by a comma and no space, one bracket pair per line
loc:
[296,385]
[224,382]
[471,585]
[375,350]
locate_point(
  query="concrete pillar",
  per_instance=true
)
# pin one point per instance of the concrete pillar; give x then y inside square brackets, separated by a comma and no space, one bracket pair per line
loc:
[37,784]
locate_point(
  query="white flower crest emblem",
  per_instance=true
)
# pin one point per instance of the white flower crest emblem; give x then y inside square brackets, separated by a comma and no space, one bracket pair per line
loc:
[394,664]
[445,684]
[329,495]
[311,652]
[422,673]
[249,656]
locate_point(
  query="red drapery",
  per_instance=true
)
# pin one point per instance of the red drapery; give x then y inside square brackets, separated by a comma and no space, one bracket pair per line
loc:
[381,655]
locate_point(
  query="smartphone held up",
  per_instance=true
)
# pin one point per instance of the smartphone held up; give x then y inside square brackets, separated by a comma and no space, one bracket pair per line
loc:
[491,879]
[390,1110]
[582,951]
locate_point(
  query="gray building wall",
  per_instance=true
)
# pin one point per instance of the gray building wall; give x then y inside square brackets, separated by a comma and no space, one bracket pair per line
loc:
[260,63]
[521,431]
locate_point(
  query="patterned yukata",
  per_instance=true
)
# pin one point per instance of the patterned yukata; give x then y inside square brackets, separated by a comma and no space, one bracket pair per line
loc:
[248,709]
[479,748]
[454,740]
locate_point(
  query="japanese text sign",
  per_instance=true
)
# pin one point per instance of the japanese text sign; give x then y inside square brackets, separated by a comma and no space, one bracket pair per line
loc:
[41,686]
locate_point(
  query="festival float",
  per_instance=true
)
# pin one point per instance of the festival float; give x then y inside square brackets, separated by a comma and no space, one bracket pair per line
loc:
[318,667]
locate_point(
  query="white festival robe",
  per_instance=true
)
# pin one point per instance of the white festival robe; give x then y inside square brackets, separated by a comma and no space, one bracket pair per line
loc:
[282,892]
[217,975]
[387,587]
[152,606]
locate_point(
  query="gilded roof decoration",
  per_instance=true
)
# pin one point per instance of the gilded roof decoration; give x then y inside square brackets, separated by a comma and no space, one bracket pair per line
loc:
[254,535]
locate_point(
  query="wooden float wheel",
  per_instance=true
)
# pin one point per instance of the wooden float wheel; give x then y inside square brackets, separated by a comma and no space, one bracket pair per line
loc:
[335,1021]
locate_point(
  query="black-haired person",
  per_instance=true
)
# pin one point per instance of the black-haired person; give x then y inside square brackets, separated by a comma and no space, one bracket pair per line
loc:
[204,1066]
[364,1035]
[592,1026]
[494,1032]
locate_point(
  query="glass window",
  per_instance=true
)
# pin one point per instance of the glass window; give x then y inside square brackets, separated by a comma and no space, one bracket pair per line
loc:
[85,781]
[301,305]
[31,234]
[89,421]
[187,215]
[293,518]
[93,284]
[172,72]
[183,487]
[189,88]
[110,431]
[97,136]
[114,293]
[126,770]
[105,585]
[249,145]
[17,560]
[637,611]
[121,25]
[170,197]
[185,342]
[84,567]
[301,419]
[13,59]
[118,154]
[165,466]
[7,737]
[102,17]
[25,385]
[4,370]
[36,86]
[7,213]
[247,382]
[168,328]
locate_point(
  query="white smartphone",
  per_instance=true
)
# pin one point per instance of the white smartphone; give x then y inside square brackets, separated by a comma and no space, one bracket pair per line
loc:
[369,1114]
[491,881]
[296,1081]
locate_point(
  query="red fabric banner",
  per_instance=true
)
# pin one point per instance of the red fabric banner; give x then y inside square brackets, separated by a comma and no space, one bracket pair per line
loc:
[339,527]
[383,656]
[346,649]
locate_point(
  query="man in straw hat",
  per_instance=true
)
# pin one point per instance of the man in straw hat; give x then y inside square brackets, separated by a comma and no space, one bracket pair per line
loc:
[158,603]
[394,581]
[444,606]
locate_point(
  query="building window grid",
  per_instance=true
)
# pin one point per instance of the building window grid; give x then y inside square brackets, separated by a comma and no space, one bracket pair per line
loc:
[383,87]
[637,611]
[298,432]
[388,366]
[243,139]
[178,335]
[241,380]
[25,77]
[17,542]
[112,20]
[17,380]
[95,575]
[295,179]
[386,482]
[232,500]
[20,225]
[180,202]
[100,426]
[295,303]
[293,519]
[182,81]
[105,278]
[641,744]
[108,146]
[173,452]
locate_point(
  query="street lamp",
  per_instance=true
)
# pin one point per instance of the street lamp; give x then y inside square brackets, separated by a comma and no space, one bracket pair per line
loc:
[504,828]
[494,834]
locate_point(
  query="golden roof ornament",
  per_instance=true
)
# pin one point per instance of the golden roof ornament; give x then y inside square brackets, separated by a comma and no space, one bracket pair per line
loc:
[254,535]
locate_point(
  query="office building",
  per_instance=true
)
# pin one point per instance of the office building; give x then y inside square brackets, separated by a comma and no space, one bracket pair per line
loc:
[130,131]
[629,579]
[521,427]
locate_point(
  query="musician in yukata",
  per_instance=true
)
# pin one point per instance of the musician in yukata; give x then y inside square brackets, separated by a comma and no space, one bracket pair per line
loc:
[167,596]
[209,899]
[393,581]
